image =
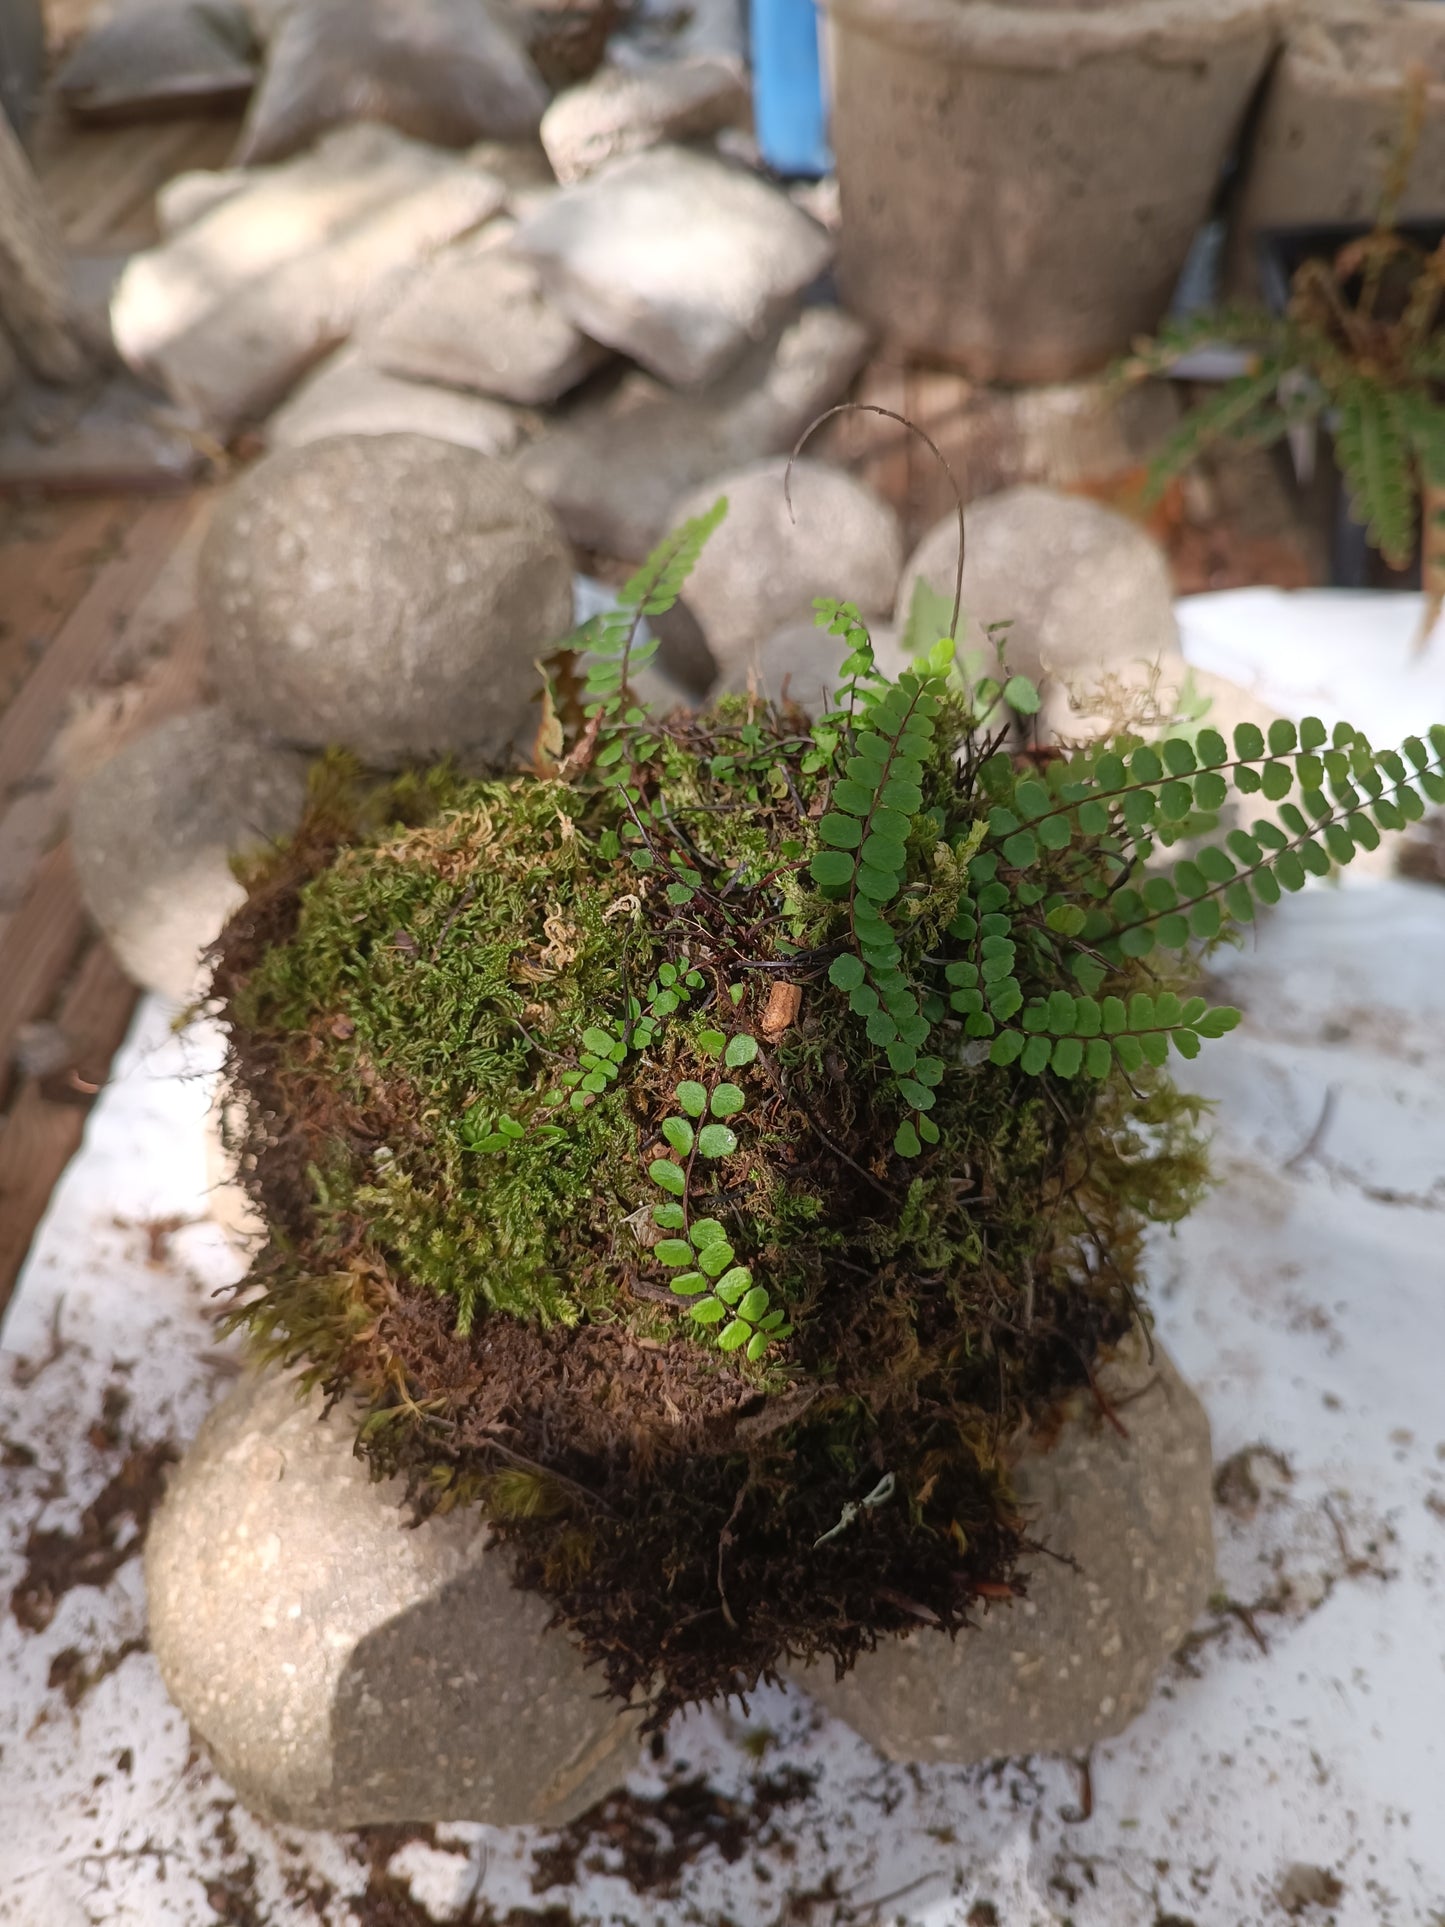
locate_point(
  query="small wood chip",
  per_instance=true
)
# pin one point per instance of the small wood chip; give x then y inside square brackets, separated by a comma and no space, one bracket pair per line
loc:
[784,1002]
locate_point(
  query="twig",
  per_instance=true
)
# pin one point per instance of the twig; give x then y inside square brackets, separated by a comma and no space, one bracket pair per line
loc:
[872,408]
[1105,1408]
[725,1539]
[1076,1816]
[456,910]
[839,1152]
[1245,1616]
[550,1472]
[1316,1137]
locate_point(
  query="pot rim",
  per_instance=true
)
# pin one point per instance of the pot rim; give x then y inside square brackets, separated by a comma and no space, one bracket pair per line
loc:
[1361,56]
[1054,39]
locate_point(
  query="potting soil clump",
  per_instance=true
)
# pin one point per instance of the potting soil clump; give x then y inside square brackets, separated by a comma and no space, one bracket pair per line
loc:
[708,1151]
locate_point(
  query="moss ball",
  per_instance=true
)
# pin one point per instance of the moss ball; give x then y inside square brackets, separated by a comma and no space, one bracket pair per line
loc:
[679,1200]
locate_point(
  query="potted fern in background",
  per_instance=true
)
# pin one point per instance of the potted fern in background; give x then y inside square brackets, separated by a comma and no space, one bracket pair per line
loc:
[714,1152]
[1354,340]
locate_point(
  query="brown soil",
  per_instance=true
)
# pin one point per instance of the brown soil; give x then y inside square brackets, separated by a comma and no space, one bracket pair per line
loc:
[651,1843]
[111,1531]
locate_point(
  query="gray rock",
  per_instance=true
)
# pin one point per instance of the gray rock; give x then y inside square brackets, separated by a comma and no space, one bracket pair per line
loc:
[344,1670]
[675,259]
[614,466]
[566,39]
[152,58]
[799,664]
[622,110]
[658,30]
[764,566]
[1086,591]
[1077,1659]
[227,313]
[476,317]
[523,169]
[387,593]
[1059,434]
[186,197]
[346,395]
[153,832]
[440,72]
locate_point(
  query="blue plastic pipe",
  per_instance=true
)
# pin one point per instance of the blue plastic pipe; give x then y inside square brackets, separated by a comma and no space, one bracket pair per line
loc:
[789,115]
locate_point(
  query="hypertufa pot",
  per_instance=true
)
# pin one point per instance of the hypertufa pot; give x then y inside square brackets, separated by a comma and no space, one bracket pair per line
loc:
[1021,183]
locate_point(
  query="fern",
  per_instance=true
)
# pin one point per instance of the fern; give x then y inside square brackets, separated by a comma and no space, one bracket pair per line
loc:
[978,912]
[1373,445]
[1237,411]
[723,1293]
[867,832]
[1252,328]
[1116,804]
[1425,421]
[1338,349]
[610,641]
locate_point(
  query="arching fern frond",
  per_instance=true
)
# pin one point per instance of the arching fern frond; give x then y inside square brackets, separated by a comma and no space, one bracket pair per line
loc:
[611,639]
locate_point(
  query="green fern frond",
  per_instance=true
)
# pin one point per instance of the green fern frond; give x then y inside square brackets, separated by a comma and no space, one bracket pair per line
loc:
[865,854]
[1425,421]
[1238,411]
[611,640]
[1227,327]
[1426,361]
[1372,445]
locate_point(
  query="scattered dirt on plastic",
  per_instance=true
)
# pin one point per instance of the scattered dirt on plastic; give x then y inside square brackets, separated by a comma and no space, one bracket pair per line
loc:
[74,1673]
[158,1235]
[111,1531]
[651,1841]
[1305,1890]
[386,1901]
[1237,1479]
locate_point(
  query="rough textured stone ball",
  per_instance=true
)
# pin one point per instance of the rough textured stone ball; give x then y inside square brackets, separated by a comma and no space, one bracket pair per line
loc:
[153,832]
[386,594]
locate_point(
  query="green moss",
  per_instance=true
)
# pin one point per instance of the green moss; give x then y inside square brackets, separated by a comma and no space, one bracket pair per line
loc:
[712,1152]
[400,986]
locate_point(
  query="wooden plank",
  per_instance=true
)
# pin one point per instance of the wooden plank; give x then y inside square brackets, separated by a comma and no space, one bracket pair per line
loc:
[154,668]
[35,302]
[38,950]
[50,552]
[47,1120]
[101,182]
[74,162]
[83,641]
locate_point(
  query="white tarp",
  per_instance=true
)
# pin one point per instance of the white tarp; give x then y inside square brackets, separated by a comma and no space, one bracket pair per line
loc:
[1302,1745]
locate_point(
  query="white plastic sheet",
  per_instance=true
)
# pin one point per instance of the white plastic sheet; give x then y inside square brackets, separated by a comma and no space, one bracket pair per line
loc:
[1301,1746]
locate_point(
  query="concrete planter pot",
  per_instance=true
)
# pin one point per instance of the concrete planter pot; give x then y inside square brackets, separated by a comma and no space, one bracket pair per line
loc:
[1330,124]
[1021,184]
